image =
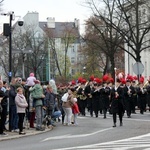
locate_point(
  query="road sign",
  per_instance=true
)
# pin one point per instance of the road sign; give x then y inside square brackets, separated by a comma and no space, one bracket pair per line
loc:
[10,74]
[138,68]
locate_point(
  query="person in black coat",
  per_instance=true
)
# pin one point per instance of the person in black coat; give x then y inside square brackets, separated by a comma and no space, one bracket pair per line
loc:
[129,90]
[81,98]
[13,116]
[87,92]
[117,104]
[142,93]
[96,98]
[105,95]
[148,93]
[49,103]
[3,103]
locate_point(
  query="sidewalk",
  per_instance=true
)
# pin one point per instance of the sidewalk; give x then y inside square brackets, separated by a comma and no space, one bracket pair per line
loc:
[29,132]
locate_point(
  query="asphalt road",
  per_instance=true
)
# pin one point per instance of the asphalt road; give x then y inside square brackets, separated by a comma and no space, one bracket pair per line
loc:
[91,134]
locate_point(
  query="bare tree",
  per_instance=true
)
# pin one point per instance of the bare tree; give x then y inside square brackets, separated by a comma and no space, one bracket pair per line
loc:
[30,38]
[94,56]
[69,36]
[128,20]
[50,33]
[106,39]
[131,21]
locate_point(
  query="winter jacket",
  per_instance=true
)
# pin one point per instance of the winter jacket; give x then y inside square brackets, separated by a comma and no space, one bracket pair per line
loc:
[12,95]
[49,100]
[36,91]
[21,103]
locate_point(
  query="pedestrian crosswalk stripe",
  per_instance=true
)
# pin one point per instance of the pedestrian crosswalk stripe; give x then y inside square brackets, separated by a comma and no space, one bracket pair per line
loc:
[139,142]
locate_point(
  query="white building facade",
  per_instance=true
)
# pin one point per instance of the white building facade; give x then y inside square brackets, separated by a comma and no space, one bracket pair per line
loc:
[31,20]
[144,16]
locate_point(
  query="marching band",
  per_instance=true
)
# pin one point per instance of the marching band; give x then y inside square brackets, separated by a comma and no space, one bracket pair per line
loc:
[101,96]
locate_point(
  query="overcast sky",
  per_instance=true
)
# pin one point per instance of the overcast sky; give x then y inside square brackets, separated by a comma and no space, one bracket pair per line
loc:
[61,10]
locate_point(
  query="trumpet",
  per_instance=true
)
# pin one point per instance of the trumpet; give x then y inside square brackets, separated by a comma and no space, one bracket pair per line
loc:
[145,84]
[78,88]
[86,83]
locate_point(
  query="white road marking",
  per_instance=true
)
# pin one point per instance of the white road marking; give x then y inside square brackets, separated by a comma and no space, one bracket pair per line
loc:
[75,136]
[142,141]
[135,119]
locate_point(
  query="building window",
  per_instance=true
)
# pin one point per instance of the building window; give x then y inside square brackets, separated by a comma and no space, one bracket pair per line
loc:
[73,50]
[73,71]
[72,60]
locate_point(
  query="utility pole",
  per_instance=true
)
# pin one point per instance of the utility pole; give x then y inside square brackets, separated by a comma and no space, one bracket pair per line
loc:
[10,47]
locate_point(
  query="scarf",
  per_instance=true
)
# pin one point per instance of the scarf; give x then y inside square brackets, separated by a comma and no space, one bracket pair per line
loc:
[21,96]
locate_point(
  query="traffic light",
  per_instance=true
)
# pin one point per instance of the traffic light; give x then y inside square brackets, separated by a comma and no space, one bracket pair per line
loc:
[6,29]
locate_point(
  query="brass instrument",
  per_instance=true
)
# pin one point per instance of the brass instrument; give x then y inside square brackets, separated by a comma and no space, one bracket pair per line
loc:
[86,83]
[78,88]
[145,84]
[82,97]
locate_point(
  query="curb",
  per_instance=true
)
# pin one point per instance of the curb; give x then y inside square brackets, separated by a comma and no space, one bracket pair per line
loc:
[34,132]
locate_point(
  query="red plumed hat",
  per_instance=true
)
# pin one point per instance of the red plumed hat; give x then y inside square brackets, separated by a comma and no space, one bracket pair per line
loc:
[135,78]
[92,78]
[141,80]
[129,78]
[80,79]
[97,80]
[105,78]
[73,82]
[123,81]
[111,80]
[83,81]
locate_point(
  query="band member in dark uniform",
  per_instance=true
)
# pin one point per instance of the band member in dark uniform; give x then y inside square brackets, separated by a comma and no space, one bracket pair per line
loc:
[148,93]
[117,104]
[105,98]
[87,92]
[81,98]
[96,98]
[128,94]
[141,92]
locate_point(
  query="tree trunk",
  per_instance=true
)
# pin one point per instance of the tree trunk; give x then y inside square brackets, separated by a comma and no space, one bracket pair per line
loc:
[56,60]
[65,63]
[112,61]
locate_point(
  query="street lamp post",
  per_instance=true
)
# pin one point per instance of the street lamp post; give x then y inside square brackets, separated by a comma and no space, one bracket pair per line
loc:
[9,34]
[10,47]
[8,30]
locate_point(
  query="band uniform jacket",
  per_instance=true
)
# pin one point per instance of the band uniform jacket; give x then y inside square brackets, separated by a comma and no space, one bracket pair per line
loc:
[117,103]
[105,94]
[87,91]
[128,96]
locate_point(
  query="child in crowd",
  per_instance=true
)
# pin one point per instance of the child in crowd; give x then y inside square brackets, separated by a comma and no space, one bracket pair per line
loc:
[75,111]
[30,80]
